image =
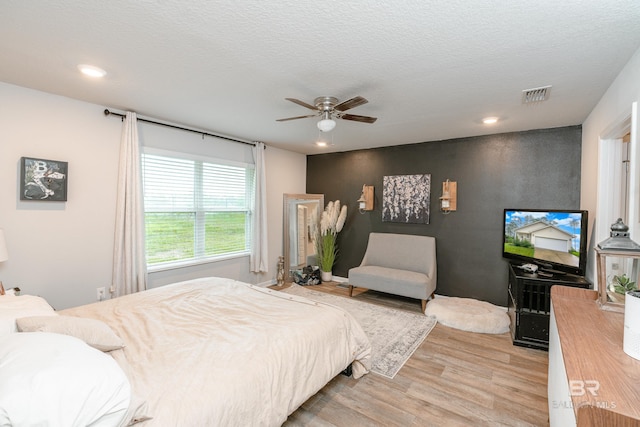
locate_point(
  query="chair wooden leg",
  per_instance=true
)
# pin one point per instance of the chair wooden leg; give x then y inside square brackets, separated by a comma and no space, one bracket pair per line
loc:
[424,301]
[350,290]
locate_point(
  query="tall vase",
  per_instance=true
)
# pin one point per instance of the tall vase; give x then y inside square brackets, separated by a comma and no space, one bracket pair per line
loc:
[326,276]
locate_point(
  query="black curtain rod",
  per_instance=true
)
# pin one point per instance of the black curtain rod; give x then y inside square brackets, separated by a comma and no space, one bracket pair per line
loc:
[122,116]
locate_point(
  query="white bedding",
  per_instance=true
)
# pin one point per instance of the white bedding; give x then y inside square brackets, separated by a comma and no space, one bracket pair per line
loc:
[56,380]
[220,352]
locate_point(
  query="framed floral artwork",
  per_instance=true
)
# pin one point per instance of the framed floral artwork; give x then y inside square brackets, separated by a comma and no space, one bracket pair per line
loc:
[405,198]
[42,179]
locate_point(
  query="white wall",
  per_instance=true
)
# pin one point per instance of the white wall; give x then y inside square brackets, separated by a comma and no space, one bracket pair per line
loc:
[614,105]
[63,250]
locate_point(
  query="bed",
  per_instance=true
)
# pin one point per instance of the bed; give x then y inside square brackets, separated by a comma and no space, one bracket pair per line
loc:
[204,352]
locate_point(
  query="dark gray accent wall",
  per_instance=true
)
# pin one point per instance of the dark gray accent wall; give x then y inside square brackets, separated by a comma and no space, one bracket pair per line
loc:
[533,169]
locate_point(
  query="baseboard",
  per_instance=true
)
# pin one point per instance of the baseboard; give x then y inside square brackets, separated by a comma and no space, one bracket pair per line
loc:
[445,296]
[339,279]
[267,283]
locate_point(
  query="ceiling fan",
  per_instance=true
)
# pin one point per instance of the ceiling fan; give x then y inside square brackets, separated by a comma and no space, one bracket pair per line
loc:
[329,108]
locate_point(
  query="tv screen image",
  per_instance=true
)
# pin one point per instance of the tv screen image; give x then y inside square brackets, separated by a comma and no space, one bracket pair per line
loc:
[552,239]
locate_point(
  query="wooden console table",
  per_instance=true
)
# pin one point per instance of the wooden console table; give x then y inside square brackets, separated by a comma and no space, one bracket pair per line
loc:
[592,382]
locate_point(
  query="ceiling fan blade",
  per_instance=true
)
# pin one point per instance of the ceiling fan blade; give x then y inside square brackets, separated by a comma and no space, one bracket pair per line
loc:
[294,118]
[356,118]
[304,104]
[350,103]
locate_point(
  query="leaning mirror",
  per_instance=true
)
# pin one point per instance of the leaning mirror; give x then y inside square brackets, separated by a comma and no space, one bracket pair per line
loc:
[301,214]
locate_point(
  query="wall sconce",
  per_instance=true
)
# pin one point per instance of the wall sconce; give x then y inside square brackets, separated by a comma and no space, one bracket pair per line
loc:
[365,202]
[449,199]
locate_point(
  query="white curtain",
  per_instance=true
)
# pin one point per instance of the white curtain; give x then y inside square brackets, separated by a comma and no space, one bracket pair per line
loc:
[259,256]
[129,264]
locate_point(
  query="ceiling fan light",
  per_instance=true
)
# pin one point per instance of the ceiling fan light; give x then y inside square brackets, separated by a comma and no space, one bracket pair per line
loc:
[326,125]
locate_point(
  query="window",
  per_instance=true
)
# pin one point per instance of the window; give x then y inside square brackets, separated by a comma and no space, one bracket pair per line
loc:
[196,209]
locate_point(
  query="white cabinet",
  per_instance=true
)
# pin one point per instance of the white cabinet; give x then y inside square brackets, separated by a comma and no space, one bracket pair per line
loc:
[560,405]
[592,381]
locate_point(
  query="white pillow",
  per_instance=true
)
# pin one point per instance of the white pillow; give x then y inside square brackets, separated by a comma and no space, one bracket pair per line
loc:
[58,380]
[92,331]
[13,307]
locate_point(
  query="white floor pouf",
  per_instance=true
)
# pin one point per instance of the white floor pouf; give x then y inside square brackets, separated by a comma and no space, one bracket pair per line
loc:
[469,314]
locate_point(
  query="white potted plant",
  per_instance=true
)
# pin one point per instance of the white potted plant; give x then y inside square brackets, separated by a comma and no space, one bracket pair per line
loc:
[331,223]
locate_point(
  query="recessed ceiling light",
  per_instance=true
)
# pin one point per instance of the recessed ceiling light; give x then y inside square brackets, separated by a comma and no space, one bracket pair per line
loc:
[489,120]
[92,71]
[321,144]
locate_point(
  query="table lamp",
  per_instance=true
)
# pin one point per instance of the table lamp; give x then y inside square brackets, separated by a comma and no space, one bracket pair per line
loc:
[3,255]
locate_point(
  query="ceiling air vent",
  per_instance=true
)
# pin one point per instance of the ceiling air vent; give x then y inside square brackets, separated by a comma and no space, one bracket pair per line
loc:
[538,94]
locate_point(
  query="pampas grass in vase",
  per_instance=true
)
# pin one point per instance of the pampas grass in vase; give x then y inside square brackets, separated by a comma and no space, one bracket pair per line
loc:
[331,223]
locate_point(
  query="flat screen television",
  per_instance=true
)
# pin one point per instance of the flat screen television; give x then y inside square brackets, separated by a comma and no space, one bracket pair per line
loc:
[554,240]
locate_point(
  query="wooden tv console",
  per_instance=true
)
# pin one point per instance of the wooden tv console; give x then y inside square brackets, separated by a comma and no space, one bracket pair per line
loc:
[592,381]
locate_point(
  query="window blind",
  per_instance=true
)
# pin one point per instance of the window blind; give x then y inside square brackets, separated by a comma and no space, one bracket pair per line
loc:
[196,209]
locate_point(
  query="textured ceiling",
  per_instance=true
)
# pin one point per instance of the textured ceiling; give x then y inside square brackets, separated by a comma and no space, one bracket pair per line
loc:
[431,70]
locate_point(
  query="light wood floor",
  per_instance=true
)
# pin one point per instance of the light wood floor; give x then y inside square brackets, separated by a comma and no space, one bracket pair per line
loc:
[454,378]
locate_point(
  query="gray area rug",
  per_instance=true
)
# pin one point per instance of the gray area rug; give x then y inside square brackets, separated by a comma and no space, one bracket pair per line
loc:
[394,334]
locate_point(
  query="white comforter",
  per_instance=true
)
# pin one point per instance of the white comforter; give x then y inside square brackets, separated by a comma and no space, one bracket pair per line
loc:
[217,352]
